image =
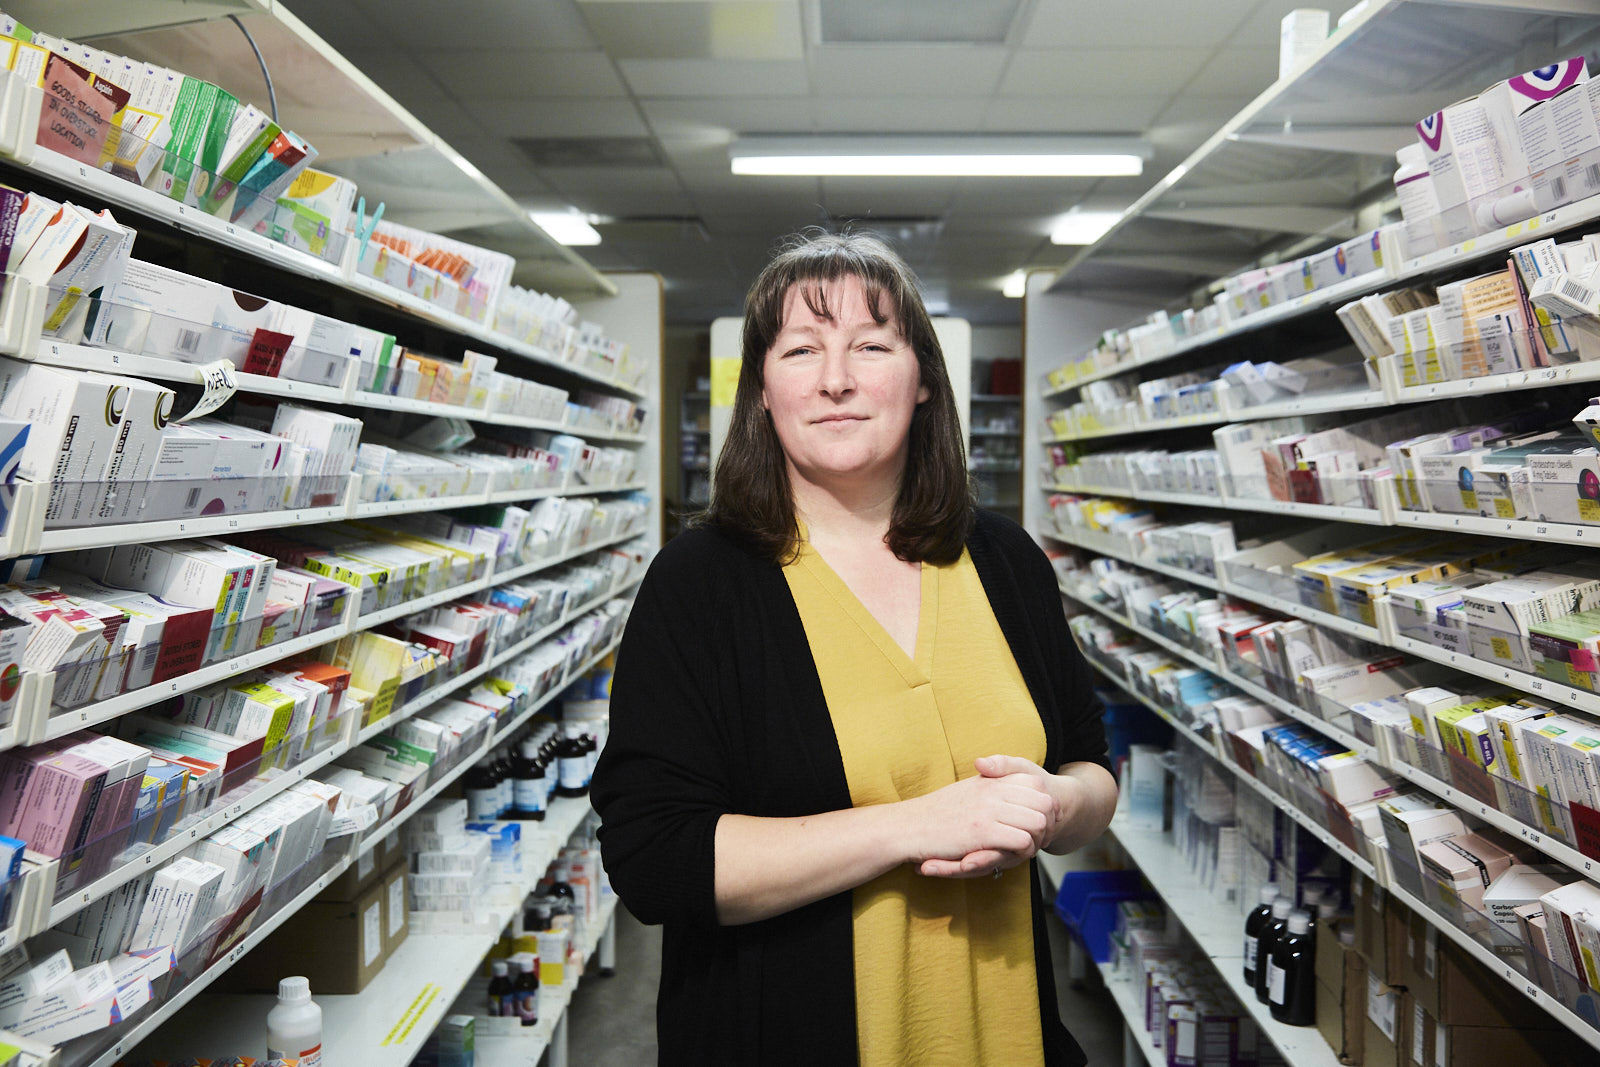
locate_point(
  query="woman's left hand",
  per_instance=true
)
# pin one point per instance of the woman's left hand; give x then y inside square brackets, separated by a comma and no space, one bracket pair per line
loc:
[991,861]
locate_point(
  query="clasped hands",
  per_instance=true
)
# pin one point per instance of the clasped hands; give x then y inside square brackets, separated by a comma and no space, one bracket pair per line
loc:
[988,823]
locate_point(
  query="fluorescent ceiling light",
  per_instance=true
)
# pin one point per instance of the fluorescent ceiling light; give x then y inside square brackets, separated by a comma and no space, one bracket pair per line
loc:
[1015,285]
[566,227]
[939,157]
[1083,227]
[946,166]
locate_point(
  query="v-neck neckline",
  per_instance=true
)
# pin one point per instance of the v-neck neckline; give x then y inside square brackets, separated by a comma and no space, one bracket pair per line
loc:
[916,667]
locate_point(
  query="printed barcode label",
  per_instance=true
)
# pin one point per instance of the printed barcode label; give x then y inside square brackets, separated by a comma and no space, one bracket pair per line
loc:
[1558,188]
[193,499]
[1573,289]
[1592,173]
[189,341]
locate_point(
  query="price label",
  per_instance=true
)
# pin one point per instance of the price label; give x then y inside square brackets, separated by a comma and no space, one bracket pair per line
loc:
[1503,508]
[1586,824]
[215,388]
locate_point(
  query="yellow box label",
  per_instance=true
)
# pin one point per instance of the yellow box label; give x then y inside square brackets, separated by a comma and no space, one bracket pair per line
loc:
[1469,499]
[1502,647]
[1503,508]
[1589,510]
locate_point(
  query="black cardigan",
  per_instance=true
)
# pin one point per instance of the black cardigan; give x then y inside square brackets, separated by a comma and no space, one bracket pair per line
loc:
[716,708]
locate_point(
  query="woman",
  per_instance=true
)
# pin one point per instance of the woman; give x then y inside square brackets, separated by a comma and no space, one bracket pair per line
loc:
[833,709]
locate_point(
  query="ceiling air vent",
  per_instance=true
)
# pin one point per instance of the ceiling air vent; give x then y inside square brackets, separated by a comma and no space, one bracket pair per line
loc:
[917,21]
[589,151]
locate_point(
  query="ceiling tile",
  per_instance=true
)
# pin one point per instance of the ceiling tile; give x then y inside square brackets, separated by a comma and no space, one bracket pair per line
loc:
[1072,114]
[1095,72]
[715,77]
[345,25]
[696,29]
[771,187]
[550,23]
[1006,196]
[729,115]
[1155,23]
[559,118]
[897,114]
[605,180]
[889,198]
[891,71]
[518,73]
[620,203]
[1245,72]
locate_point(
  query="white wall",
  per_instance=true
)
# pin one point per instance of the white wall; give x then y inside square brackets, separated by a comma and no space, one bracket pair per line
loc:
[635,316]
[996,342]
[1055,326]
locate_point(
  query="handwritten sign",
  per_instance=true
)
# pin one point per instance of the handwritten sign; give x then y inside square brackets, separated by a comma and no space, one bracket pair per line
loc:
[82,114]
[267,349]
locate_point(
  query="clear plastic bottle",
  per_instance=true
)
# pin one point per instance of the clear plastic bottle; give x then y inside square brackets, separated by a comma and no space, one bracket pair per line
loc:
[1269,940]
[294,1025]
[1253,924]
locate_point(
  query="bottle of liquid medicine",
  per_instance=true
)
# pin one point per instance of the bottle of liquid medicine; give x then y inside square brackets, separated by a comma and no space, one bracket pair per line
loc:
[1252,930]
[1291,974]
[1269,940]
[527,989]
[483,791]
[572,765]
[501,1000]
[294,1025]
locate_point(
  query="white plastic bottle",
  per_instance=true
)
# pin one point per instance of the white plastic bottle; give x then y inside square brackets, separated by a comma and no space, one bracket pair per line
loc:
[294,1025]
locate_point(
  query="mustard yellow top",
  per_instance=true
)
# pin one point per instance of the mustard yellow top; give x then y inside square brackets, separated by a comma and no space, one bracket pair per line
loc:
[944,968]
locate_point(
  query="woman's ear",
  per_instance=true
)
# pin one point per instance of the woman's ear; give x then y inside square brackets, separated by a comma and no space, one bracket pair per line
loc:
[923,394]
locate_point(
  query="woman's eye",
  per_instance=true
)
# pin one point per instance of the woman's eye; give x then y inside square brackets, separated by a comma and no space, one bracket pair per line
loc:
[802,350]
[875,348]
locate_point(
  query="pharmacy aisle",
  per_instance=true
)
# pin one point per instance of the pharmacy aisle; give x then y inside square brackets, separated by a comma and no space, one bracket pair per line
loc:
[319,536]
[1349,590]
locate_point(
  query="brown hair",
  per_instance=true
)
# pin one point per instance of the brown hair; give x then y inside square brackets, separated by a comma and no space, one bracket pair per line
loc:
[753,500]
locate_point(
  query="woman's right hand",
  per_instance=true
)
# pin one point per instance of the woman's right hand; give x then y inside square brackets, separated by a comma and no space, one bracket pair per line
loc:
[978,817]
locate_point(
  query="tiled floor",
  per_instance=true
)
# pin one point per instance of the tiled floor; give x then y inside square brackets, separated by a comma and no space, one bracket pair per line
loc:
[612,1021]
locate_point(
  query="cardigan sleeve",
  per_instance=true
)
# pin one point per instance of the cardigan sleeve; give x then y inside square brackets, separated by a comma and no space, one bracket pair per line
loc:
[660,785]
[1083,731]
[1079,713]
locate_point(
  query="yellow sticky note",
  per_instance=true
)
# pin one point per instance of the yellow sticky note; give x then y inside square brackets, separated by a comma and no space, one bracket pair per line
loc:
[724,381]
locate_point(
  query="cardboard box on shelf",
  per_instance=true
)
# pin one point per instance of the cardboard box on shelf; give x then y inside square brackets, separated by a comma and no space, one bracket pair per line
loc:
[1385,1027]
[1455,989]
[338,945]
[1341,993]
[396,924]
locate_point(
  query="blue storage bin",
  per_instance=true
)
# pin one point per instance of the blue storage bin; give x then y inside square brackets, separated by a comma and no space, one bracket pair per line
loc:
[1087,904]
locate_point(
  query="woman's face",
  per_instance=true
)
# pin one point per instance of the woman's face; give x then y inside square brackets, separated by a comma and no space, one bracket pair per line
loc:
[842,389]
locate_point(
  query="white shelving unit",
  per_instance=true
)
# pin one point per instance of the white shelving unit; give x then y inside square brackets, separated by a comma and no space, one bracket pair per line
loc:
[424,183]
[1119,986]
[1546,843]
[190,1028]
[1309,151]
[1216,930]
